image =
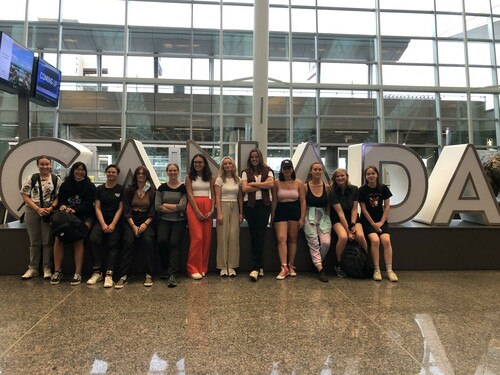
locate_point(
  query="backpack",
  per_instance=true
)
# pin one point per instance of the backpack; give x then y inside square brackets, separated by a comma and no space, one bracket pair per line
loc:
[355,261]
[68,227]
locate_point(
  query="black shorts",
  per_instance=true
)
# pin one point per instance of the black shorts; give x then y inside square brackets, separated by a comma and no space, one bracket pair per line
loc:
[367,228]
[287,211]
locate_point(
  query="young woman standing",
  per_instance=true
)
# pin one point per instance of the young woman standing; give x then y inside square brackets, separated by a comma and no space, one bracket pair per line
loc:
[288,214]
[256,182]
[201,198]
[375,206]
[170,203]
[229,202]
[40,196]
[317,226]
[138,233]
[108,211]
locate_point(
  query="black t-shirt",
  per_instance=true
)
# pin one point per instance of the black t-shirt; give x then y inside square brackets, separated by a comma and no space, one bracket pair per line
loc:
[346,199]
[110,200]
[374,200]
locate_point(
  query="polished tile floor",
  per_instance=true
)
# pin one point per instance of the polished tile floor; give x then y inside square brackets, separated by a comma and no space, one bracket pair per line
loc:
[428,323]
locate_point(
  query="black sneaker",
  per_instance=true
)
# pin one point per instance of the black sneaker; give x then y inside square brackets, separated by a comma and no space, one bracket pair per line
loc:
[172,282]
[340,272]
[56,278]
[77,279]
[322,276]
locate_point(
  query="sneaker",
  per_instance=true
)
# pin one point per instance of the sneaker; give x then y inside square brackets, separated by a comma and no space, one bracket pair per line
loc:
[377,276]
[391,275]
[322,276]
[172,281]
[223,272]
[340,272]
[292,270]
[254,275]
[96,277]
[31,272]
[261,272]
[283,274]
[231,272]
[164,275]
[77,279]
[47,273]
[196,276]
[148,281]
[56,278]
[108,281]
[121,283]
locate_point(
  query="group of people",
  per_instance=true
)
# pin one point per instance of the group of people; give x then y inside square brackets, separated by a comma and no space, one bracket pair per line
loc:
[124,222]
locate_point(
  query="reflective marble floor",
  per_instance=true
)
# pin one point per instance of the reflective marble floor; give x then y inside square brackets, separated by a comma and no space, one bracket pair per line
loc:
[428,323]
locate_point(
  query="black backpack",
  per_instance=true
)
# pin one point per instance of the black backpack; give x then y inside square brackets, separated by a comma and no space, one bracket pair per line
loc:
[355,261]
[68,227]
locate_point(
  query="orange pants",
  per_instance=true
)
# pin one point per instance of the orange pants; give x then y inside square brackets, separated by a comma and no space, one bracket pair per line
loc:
[200,235]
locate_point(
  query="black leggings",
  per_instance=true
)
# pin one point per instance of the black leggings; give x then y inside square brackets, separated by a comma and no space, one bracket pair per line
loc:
[257,219]
[170,236]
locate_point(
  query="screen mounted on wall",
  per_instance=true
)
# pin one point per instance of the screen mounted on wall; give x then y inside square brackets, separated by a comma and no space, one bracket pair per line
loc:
[16,66]
[46,84]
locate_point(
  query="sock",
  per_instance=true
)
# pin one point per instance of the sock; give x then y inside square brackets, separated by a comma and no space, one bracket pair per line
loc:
[376,269]
[388,268]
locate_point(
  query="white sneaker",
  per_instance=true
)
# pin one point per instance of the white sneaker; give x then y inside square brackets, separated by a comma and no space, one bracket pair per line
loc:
[231,272]
[377,276]
[391,275]
[47,273]
[254,275]
[31,272]
[261,272]
[196,276]
[96,277]
[108,281]
[223,272]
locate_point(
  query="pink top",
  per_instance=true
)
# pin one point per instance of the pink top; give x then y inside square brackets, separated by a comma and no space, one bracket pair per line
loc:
[285,195]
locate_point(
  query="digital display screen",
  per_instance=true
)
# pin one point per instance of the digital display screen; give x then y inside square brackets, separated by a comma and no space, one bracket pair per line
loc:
[16,65]
[47,83]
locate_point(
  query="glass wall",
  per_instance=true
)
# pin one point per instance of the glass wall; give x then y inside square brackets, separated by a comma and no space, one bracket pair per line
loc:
[340,73]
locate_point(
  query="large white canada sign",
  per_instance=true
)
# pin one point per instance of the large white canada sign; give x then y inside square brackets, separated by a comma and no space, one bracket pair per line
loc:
[457,184]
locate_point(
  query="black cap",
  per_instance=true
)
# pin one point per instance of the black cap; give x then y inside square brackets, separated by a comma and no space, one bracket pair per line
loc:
[286,163]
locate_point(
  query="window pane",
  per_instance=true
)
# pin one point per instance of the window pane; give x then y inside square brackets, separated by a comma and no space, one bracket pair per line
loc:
[449,26]
[477,6]
[278,19]
[403,24]
[144,13]
[304,130]
[142,67]
[451,52]
[344,73]
[14,12]
[408,75]
[407,5]
[47,10]
[348,3]
[480,77]
[449,5]
[206,16]
[94,11]
[89,39]
[346,22]
[416,51]
[237,17]
[304,20]
[450,76]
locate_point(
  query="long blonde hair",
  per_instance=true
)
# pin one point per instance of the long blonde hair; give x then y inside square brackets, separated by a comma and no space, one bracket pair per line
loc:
[222,172]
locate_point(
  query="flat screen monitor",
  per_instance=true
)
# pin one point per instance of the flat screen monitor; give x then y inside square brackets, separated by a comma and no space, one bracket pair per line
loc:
[46,84]
[16,66]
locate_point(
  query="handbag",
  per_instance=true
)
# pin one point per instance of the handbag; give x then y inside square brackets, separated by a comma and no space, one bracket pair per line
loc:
[68,227]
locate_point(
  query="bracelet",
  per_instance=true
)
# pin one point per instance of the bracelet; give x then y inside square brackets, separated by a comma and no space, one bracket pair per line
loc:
[145,223]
